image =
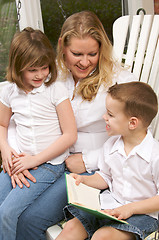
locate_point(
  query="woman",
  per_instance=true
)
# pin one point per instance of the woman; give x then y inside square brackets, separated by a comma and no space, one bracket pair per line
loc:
[84,57]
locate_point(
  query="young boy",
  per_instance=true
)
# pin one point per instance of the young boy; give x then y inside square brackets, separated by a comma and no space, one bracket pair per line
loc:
[128,170]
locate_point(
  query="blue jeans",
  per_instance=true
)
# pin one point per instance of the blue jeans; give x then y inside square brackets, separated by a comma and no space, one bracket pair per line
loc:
[140,225]
[14,201]
[44,212]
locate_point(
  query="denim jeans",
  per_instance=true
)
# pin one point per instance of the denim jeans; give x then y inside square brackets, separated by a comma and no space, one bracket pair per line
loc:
[44,212]
[140,225]
[14,201]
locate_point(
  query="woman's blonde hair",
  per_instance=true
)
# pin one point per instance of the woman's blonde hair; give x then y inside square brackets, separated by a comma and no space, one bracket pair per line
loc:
[81,25]
[30,48]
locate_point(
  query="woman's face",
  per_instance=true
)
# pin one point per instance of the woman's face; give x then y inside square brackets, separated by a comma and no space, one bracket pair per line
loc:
[81,56]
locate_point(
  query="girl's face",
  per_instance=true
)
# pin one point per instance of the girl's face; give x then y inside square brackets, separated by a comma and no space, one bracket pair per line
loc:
[81,56]
[33,77]
[117,123]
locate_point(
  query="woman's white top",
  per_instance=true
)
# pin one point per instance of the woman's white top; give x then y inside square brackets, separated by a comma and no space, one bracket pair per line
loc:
[89,118]
[130,178]
[35,116]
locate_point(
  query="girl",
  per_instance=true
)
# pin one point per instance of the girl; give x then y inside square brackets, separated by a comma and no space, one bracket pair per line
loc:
[45,125]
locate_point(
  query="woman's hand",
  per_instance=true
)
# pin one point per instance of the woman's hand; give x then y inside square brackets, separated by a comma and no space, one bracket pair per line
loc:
[20,179]
[74,163]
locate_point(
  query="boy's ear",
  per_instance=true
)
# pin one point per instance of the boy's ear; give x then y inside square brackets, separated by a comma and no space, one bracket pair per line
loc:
[133,123]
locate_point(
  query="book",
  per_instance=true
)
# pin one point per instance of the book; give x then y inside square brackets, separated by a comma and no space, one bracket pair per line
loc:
[86,198]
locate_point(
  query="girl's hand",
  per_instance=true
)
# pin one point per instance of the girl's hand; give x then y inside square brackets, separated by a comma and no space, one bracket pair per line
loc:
[23,162]
[78,178]
[7,154]
[122,212]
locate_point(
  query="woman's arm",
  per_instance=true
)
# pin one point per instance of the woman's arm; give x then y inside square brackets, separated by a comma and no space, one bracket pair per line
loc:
[82,162]
[75,163]
[68,137]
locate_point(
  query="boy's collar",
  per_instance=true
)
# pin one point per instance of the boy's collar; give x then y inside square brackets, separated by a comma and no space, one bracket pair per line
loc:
[144,149]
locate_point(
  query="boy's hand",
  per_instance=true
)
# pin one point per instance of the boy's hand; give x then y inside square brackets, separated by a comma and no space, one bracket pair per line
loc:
[78,178]
[122,212]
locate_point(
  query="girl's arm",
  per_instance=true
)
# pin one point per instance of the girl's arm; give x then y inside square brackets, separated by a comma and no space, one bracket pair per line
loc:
[94,180]
[68,137]
[146,206]
[6,151]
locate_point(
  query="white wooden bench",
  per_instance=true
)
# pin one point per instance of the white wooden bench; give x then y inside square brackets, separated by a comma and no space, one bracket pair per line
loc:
[136,45]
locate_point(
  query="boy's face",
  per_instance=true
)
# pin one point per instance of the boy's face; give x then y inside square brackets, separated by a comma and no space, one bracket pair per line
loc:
[33,77]
[117,122]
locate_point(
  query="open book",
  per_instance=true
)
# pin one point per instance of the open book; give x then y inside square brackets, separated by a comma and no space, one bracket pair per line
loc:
[86,198]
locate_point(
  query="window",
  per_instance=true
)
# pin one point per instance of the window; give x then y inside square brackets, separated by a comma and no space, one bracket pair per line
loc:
[54,13]
[8,20]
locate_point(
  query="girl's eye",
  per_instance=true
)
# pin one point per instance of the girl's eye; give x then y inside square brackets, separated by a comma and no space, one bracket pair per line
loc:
[31,70]
[45,67]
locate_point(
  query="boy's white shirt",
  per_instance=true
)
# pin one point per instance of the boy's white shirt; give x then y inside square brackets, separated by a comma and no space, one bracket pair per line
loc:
[130,178]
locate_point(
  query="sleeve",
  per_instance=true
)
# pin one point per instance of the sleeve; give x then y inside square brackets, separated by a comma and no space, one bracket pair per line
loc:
[90,159]
[154,165]
[60,93]
[124,76]
[4,96]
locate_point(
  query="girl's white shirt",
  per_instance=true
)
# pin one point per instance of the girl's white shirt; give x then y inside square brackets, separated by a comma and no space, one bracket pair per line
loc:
[35,117]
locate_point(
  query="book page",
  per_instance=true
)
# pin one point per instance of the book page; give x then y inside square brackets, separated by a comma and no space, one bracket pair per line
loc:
[82,194]
[86,198]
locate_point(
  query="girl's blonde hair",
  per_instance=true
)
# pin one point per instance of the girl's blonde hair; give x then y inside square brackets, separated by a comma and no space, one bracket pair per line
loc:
[81,25]
[30,48]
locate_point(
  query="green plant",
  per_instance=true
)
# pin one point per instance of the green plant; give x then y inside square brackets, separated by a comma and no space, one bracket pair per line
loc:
[106,10]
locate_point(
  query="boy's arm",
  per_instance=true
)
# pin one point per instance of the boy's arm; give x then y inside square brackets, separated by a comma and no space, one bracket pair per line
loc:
[146,206]
[94,180]
[68,137]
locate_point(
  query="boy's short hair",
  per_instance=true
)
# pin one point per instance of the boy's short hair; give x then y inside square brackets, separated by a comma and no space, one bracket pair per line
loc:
[139,98]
